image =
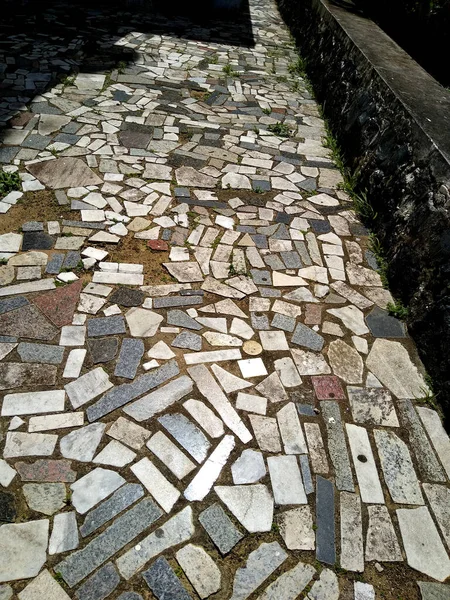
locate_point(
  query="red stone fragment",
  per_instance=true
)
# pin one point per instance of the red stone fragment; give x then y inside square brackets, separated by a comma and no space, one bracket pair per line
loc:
[158,245]
[328,387]
[59,305]
[46,470]
[22,119]
[313,314]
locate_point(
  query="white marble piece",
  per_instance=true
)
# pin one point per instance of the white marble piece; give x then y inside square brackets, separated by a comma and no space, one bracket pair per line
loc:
[398,469]
[169,454]
[287,372]
[365,466]
[296,528]
[7,473]
[50,422]
[310,363]
[390,362]
[252,367]
[352,550]
[64,533]
[44,586]
[289,584]
[210,471]
[266,433]
[222,339]
[29,444]
[273,341]
[29,403]
[154,481]
[252,505]
[241,329]
[196,358]
[15,423]
[286,479]
[90,304]
[209,388]
[251,403]
[115,454]
[87,387]
[291,431]
[439,499]
[160,351]
[228,307]
[142,322]
[364,591]
[200,569]
[228,381]
[82,443]
[23,549]
[72,335]
[381,542]
[74,363]
[185,272]
[160,399]
[326,587]
[6,348]
[93,488]
[10,242]
[249,467]
[128,433]
[205,417]
[216,323]
[352,317]
[424,549]
[438,435]
[28,287]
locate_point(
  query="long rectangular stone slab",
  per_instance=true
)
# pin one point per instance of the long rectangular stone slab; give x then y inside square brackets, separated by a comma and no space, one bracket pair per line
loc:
[325,535]
[287,485]
[365,467]
[212,356]
[80,564]
[29,444]
[352,550]
[87,387]
[438,435]
[337,446]
[31,286]
[210,389]
[32,403]
[157,401]
[159,487]
[126,392]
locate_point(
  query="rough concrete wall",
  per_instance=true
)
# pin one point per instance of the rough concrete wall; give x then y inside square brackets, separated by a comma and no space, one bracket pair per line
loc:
[392,121]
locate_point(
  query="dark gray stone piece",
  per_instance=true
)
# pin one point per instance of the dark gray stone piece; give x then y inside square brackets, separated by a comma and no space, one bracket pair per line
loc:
[371,260]
[306,409]
[131,352]
[163,582]
[100,585]
[337,445]
[67,138]
[325,534]
[125,528]
[36,141]
[12,303]
[37,240]
[6,339]
[269,292]
[40,353]
[187,435]
[33,226]
[61,197]
[261,185]
[83,224]
[220,528]
[55,264]
[274,262]
[170,301]
[72,259]
[181,319]
[291,260]
[8,153]
[188,340]
[283,322]
[319,226]
[303,252]
[282,233]
[261,277]
[106,326]
[260,241]
[259,321]
[107,510]
[130,596]
[103,350]
[306,474]
[307,338]
[121,394]
[434,591]
[127,297]
[382,324]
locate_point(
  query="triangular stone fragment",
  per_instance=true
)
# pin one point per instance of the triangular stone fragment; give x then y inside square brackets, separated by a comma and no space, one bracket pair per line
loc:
[64,173]
[82,443]
[228,381]
[252,505]
[272,388]
[228,307]
[59,305]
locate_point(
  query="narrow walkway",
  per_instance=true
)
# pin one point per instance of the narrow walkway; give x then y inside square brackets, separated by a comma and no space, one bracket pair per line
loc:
[203,394]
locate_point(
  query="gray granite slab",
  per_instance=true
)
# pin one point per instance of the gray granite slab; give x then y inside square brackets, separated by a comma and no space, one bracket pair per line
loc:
[122,394]
[55,264]
[105,326]
[187,340]
[102,350]
[382,324]
[163,582]
[307,338]
[100,585]
[434,591]
[283,322]
[130,355]
[40,353]
[337,446]
[72,259]
[220,528]
[127,297]
[107,510]
[181,319]
[81,563]
[130,596]
[188,435]
[170,301]
[325,535]
[306,474]
[12,303]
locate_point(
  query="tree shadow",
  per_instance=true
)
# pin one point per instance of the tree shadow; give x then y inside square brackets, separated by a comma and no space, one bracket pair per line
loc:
[41,41]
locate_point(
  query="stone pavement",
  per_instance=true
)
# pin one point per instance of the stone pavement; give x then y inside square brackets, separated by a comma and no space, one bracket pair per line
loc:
[203,394]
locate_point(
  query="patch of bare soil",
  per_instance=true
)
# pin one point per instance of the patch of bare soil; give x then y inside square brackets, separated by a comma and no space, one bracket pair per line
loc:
[132,250]
[33,206]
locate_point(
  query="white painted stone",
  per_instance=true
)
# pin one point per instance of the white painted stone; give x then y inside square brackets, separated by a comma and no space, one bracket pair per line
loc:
[287,485]
[296,528]
[29,403]
[210,471]
[44,586]
[64,533]
[74,363]
[29,444]
[438,435]
[160,351]
[252,367]
[291,431]
[365,466]
[93,488]
[23,549]
[72,335]
[50,422]
[252,505]
[169,454]
[248,468]
[390,363]
[159,487]
[352,317]
[7,473]
[115,454]
[200,569]
[128,433]
[87,387]
[204,417]
[82,443]
[142,322]
[251,403]
[424,549]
